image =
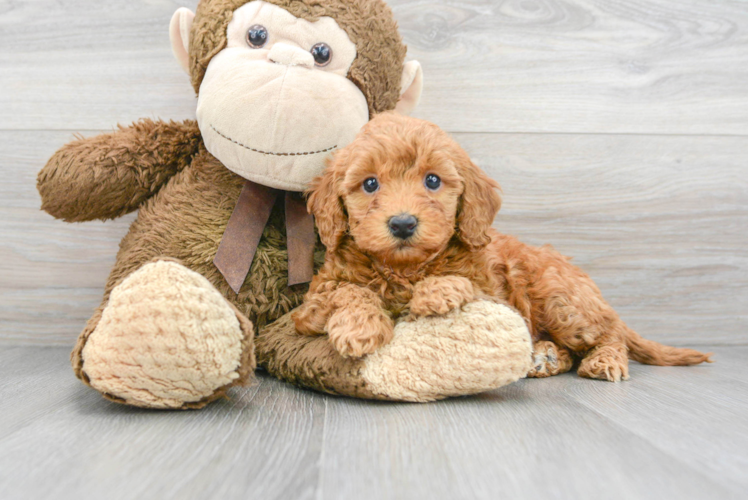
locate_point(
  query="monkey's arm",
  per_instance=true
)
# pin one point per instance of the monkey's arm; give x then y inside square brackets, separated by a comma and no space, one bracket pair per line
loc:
[109,175]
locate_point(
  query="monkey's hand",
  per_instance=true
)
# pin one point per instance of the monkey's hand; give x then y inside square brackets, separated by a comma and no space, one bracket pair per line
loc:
[109,175]
[437,295]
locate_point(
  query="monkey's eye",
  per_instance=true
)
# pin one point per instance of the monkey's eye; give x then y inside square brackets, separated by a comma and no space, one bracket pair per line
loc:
[432,182]
[371,184]
[322,54]
[257,36]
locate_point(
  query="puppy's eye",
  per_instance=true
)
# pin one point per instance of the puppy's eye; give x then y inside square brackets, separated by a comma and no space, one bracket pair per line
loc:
[322,54]
[371,184]
[257,36]
[432,182]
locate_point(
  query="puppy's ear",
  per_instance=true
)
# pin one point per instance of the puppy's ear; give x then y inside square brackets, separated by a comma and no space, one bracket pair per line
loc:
[325,204]
[479,204]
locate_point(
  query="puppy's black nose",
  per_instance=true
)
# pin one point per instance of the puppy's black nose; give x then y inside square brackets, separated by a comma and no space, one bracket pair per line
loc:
[403,226]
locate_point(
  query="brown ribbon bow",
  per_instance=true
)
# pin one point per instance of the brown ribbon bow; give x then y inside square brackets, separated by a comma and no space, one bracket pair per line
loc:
[244,230]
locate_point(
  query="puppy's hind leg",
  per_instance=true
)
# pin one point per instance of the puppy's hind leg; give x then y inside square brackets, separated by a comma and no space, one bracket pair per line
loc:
[591,328]
[569,306]
[606,362]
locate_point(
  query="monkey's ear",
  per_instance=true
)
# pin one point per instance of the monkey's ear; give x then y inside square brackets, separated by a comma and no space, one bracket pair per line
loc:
[179,34]
[410,88]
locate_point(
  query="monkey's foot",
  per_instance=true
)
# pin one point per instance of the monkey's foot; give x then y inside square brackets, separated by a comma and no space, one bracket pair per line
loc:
[549,360]
[480,347]
[167,339]
[607,362]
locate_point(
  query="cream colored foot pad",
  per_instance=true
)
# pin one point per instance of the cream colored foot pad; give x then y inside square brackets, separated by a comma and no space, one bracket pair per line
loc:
[481,347]
[166,337]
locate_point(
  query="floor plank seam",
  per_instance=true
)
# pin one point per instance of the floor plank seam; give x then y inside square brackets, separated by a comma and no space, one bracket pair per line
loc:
[719,482]
[321,460]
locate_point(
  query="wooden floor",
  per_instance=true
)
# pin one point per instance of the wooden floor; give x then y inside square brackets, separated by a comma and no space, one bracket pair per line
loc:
[668,433]
[619,132]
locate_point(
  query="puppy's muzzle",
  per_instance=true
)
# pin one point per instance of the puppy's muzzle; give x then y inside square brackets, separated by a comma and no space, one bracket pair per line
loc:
[403,226]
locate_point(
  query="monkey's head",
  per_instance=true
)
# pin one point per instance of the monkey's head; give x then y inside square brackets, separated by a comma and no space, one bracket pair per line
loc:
[283,83]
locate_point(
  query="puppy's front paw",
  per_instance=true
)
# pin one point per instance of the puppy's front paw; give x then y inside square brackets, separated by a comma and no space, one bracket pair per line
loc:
[549,360]
[356,332]
[310,318]
[437,295]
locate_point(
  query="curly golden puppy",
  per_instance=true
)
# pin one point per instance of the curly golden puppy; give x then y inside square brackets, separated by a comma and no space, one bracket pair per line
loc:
[406,218]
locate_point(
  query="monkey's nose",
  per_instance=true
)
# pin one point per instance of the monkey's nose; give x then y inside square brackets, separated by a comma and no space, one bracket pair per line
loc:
[403,226]
[283,53]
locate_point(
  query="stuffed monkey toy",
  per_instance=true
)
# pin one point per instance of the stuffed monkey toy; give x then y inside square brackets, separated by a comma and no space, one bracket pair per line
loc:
[223,248]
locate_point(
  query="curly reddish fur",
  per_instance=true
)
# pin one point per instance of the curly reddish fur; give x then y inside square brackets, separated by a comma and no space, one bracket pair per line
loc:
[454,255]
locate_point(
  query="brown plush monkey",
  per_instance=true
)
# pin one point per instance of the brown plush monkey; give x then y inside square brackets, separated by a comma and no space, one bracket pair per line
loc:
[281,84]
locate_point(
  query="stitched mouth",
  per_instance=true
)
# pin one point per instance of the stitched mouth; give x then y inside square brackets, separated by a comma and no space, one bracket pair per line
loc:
[271,153]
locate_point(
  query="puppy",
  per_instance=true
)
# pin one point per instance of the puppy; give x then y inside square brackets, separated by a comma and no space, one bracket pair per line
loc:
[406,218]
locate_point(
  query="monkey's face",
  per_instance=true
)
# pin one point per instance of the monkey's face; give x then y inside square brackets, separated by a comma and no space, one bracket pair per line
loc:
[276,101]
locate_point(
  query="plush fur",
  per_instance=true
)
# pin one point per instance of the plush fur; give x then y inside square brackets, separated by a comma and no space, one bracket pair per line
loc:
[123,169]
[185,221]
[377,69]
[134,347]
[135,354]
[185,196]
[482,346]
[370,276]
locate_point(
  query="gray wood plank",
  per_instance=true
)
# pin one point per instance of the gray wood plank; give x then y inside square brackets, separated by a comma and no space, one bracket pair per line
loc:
[664,66]
[523,441]
[265,441]
[669,432]
[698,415]
[33,384]
[52,273]
[659,222]
[75,64]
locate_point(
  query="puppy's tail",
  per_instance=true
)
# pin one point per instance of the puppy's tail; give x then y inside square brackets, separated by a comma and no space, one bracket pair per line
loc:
[653,353]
